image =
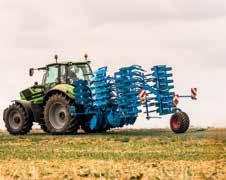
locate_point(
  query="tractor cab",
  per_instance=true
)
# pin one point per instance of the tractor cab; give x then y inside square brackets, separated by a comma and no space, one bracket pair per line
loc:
[66,73]
[57,76]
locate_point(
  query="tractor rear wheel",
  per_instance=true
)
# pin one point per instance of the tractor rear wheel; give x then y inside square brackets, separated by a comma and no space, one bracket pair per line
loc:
[57,117]
[17,121]
[179,122]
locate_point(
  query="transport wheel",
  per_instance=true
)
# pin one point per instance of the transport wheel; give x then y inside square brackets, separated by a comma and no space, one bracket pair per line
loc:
[179,122]
[57,117]
[17,121]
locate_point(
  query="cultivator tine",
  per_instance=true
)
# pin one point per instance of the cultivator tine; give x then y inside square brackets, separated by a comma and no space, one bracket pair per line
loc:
[100,88]
[161,89]
[127,84]
[102,96]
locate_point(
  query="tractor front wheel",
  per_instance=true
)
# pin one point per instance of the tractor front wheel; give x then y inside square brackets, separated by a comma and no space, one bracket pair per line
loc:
[179,122]
[57,117]
[17,121]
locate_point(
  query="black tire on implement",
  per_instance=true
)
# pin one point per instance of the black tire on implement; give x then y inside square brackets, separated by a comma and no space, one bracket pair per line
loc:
[17,121]
[57,117]
[179,122]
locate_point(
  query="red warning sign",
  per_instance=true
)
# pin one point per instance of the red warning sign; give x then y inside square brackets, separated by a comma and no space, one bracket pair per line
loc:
[143,95]
[176,99]
[193,93]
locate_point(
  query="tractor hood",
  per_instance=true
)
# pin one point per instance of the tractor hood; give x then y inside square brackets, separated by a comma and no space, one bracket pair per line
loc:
[35,94]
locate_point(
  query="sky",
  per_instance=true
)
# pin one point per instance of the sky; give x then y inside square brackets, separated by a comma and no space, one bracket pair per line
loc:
[189,35]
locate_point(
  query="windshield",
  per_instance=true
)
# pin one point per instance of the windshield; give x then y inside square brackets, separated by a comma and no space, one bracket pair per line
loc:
[79,71]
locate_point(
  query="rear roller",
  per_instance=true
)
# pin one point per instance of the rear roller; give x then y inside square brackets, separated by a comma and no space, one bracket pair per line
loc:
[87,127]
[179,122]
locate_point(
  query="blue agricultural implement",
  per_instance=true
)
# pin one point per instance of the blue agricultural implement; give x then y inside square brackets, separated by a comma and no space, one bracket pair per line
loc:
[116,101]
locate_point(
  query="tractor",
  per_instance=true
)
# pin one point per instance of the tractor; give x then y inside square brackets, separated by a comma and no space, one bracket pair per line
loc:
[71,96]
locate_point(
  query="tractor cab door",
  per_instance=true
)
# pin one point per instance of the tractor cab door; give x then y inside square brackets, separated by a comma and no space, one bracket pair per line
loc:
[51,77]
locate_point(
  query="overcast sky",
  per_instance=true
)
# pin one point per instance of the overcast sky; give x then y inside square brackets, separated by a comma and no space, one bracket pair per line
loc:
[189,35]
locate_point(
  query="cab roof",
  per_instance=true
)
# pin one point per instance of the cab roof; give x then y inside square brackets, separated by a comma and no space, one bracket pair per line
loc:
[65,63]
[69,63]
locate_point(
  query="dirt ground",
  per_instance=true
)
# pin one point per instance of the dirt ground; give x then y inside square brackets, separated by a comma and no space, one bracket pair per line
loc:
[118,154]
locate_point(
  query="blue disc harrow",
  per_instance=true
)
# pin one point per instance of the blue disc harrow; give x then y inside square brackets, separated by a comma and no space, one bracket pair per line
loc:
[115,101]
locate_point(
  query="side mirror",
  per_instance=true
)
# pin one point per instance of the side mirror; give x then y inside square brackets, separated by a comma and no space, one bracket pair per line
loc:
[31,71]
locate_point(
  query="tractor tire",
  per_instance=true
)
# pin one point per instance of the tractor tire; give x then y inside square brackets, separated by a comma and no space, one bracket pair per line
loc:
[179,122]
[42,123]
[17,121]
[57,118]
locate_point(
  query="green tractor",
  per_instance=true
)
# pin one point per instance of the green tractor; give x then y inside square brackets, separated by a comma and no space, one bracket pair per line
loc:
[48,103]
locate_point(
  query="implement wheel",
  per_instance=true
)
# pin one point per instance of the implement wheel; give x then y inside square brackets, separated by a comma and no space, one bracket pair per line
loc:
[179,122]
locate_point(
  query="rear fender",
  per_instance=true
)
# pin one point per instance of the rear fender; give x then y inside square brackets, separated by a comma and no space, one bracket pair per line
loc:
[65,89]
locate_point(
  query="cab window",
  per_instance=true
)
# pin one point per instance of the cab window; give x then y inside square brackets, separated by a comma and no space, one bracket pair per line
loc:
[52,75]
[78,71]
